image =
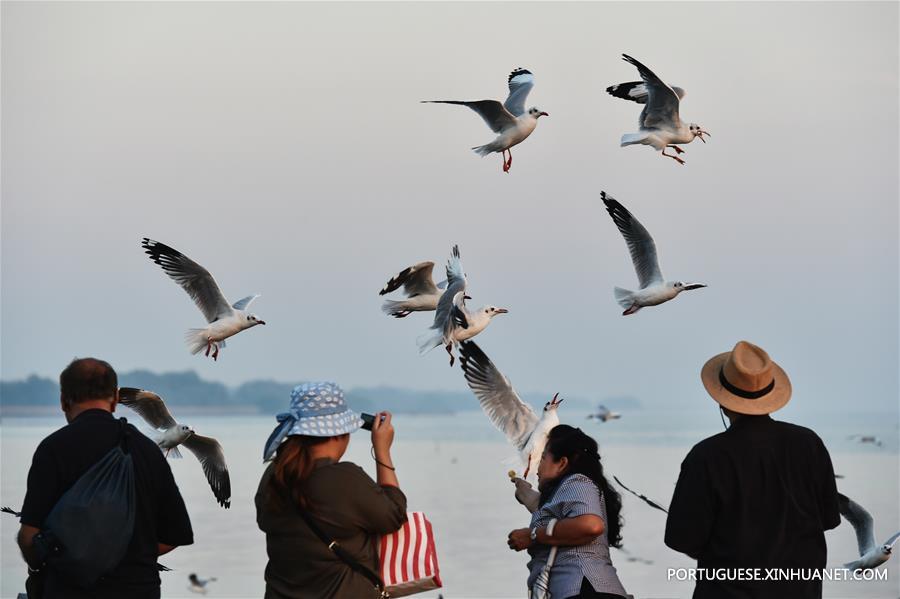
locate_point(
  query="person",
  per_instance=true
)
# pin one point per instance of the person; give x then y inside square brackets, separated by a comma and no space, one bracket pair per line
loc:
[574,491]
[88,397]
[759,495]
[308,479]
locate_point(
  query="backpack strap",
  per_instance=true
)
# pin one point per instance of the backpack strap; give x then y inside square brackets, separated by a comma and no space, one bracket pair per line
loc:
[343,555]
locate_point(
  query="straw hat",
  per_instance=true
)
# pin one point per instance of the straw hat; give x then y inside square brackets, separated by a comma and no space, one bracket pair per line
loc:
[746,380]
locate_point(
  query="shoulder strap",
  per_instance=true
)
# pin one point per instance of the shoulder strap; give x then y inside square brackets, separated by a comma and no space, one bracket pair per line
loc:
[343,555]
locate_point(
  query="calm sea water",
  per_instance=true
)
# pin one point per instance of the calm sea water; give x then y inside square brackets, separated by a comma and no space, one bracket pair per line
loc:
[454,469]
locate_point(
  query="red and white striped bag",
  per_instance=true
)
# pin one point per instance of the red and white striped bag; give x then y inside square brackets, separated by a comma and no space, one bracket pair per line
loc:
[408,558]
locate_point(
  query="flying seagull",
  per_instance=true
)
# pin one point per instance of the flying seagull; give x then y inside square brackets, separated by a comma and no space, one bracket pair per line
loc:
[509,120]
[870,555]
[422,294]
[871,439]
[197,584]
[513,417]
[153,410]
[643,498]
[660,125]
[603,414]
[453,321]
[224,320]
[654,289]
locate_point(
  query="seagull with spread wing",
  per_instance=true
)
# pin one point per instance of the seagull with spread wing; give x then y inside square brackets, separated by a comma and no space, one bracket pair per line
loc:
[604,414]
[660,124]
[870,555]
[153,410]
[654,289]
[513,417]
[453,321]
[224,320]
[510,121]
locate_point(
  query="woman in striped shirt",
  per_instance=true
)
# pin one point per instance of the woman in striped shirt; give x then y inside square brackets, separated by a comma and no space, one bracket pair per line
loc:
[575,492]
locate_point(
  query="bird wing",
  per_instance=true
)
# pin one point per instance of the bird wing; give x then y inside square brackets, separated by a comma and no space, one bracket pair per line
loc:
[861,521]
[636,91]
[212,459]
[416,280]
[192,277]
[493,112]
[661,108]
[891,541]
[458,311]
[640,244]
[644,498]
[520,83]
[456,283]
[148,406]
[244,302]
[513,417]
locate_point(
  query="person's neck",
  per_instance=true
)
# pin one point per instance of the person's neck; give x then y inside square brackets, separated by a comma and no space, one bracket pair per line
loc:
[76,409]
[330,449]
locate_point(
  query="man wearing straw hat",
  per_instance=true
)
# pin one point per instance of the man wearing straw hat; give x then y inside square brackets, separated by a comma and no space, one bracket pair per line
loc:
[752,503]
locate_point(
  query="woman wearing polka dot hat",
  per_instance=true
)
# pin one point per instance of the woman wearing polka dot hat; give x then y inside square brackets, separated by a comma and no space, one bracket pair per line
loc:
[308,484]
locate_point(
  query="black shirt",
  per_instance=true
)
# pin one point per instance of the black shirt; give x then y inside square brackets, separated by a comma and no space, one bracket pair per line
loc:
[160,515]
[759,495]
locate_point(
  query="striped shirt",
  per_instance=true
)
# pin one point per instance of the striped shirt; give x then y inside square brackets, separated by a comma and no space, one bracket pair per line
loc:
[576,495]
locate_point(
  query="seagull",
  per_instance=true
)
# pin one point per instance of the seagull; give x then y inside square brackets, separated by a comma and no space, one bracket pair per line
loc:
[654,290]
[643,498]
[513,417]
[870,556]
[509,120]
[661,127]
[224,320]
[867,439]
[153,410]
[422,294]
[603,413]
[453,321]
[198,585]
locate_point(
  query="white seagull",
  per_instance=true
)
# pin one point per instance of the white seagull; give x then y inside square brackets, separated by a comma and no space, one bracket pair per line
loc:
[513,417]
[422,294]
[871,439]
[509,120]
[453,321]
[870,555]
[660,125]
[153,410]
[197,584]
[603,413]
[654,289]
[224,320]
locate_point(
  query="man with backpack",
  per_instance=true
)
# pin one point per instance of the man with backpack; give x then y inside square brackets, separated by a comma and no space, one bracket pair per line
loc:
[121,476]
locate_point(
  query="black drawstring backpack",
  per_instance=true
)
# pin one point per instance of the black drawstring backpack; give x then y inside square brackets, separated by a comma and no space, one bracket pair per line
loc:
[88,531]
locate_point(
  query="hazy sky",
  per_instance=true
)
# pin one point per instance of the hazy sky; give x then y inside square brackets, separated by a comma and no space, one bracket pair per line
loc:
[283,147]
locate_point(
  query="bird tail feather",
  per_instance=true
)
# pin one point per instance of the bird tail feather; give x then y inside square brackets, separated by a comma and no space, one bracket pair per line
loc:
[624,297]
[394,308]
[196,340]
[429,340]
[485,149]
[632,138]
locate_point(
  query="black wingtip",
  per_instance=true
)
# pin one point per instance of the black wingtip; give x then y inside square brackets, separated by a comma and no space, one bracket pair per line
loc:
[518,71]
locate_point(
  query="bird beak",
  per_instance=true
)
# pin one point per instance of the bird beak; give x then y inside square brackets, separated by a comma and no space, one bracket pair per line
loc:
[543,114]
[694,286]
[502,310]
[261,321]
[702,133]
[467,297]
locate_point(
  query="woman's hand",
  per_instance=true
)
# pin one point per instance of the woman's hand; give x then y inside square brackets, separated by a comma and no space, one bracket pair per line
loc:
[382,435]
[519,539]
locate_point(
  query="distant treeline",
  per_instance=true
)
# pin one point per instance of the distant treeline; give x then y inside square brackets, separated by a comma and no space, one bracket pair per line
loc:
[266,396]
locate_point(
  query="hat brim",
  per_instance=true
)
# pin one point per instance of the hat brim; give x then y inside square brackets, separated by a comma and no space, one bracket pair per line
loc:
[772,401]
[330,425]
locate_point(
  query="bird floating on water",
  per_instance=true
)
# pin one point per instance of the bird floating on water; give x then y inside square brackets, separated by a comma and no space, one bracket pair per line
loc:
[513,417]
[660,124]
[153,410]
[654,289]
[224,320]
[510,121]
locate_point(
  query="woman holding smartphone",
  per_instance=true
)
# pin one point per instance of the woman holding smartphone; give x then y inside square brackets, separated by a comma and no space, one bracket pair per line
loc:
[308,494]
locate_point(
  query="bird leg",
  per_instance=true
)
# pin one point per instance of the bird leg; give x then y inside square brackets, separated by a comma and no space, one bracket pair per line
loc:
[507,163]
[449,348]
[215,355]
[208,345]
[527,468]
[677,149]
[675,158]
